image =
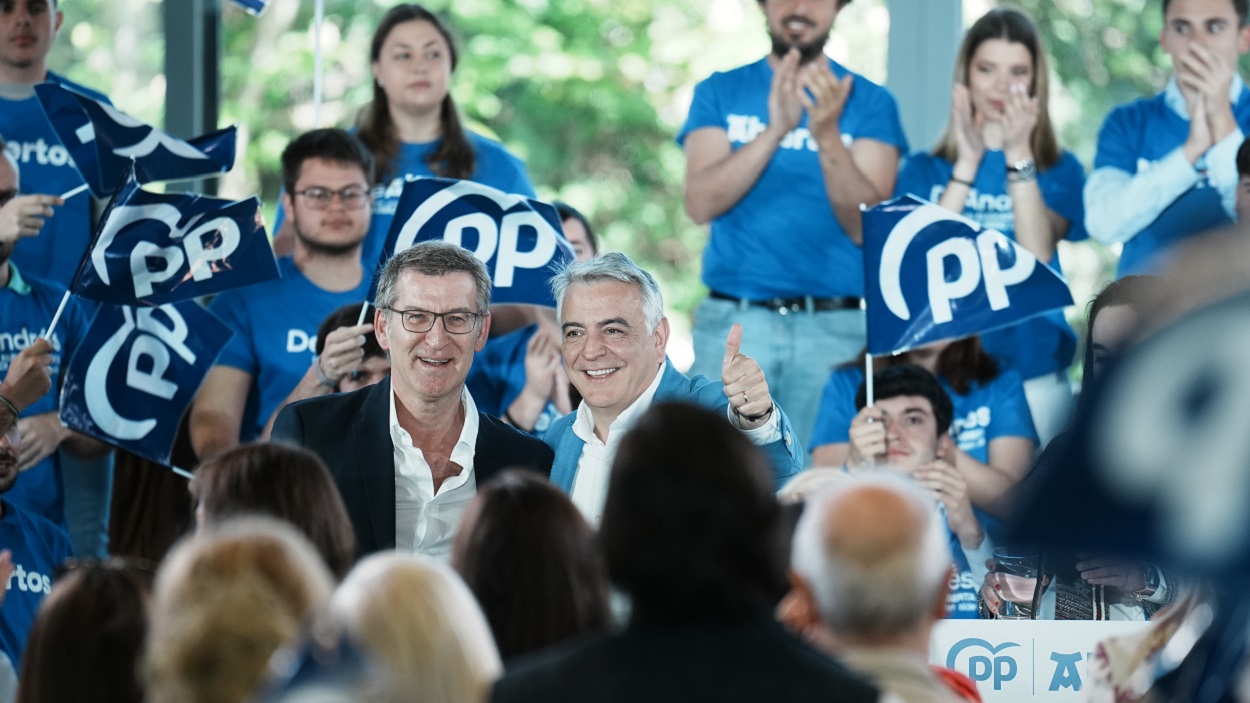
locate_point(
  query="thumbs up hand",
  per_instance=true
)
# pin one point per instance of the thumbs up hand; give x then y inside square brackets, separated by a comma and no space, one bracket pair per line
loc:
[745,385]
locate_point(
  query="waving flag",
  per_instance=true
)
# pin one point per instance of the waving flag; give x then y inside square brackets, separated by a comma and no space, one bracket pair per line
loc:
[161,248]
[520,240]
[932,274]
[137,371]
[103,140]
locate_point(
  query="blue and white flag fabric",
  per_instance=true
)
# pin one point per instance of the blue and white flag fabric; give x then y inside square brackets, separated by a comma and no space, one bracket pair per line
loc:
[254,7]
[136,373]
[103,141]
[932,274]
[520,240]
[153,248]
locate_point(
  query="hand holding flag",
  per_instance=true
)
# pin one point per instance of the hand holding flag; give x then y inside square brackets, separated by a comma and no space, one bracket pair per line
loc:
[24,215]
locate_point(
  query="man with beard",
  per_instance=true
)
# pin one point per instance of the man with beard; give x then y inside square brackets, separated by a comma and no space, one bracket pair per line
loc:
[780,155]
[271,359]
[33,548]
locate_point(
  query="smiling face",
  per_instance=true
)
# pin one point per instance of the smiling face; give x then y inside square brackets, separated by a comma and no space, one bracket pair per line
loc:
[338,229]
[609,354]
[414,67]
[800,24]
[995,67]
[911,433]
[430,366]
[27,28]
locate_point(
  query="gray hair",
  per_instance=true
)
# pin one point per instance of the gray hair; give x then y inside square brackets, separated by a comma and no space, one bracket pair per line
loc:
[432,258]
[612,266]
[889,594]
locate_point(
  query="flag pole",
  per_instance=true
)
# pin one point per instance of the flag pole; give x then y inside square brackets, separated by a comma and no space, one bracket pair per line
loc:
[868,377]
[75,191]
[364,310]
[319,14]
[57,317]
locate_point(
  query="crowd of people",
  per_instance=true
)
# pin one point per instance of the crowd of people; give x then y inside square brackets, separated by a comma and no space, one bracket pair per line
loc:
[437,498]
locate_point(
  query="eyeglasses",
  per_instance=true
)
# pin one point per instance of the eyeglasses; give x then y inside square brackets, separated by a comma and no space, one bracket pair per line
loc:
[7,195]
[352,197]
[419,321]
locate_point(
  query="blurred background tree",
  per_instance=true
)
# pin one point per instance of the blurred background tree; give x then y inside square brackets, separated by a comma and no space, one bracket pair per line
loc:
[590,93]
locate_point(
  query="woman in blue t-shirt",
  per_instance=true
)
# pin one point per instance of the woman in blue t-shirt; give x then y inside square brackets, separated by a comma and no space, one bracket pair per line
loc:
[1000,164]
[992,428]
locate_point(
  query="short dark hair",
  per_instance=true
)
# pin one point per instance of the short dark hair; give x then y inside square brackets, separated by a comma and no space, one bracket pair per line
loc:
[96,617]
[691,529]
[1243,159]
[906,379]
[334,145]
[1241,7]
[282,481]
[434,257]
[1139,292]
[568,212]
[532,562]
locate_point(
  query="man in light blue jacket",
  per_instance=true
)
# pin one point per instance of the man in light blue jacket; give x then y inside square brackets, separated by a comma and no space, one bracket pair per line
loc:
[614,335]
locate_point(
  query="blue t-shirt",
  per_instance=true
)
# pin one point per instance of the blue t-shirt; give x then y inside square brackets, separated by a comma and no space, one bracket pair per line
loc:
[275,335]
[785,225]
[495,167]
[961,601]
[26,307]
[497,377]
[1133,138]
[46,169]
[1046,343]
[38,547]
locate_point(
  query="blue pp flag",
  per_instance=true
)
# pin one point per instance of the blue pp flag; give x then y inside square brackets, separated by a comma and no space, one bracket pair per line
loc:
[932,274]
[136,372]
[153,248]
[253,6]
[103,140]
[520,240]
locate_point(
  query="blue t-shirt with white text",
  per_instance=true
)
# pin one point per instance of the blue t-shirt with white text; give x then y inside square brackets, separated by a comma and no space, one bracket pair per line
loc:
[38,548]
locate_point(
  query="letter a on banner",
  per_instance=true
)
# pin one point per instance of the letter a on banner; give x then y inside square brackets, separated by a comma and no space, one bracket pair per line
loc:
[931,274]
[520,240]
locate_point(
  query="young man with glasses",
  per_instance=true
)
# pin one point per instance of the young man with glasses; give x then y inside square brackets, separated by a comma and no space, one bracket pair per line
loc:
[408,453]
[271,359]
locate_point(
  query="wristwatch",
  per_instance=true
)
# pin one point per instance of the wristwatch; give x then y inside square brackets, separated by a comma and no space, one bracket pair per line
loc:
[1022,171]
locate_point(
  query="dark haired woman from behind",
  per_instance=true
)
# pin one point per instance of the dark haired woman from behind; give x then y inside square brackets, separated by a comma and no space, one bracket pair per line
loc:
[532,563]
[280,481]
[412,125]
[85,643]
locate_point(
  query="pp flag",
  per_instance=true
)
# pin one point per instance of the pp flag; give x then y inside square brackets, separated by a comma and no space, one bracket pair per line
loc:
[103,140]
[932,274]
[518,239]
[255,7]
[137,371]
[152,248]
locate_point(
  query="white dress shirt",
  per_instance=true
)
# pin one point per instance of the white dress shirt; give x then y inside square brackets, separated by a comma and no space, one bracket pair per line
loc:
[590,483]
[1128,202]
[425,521]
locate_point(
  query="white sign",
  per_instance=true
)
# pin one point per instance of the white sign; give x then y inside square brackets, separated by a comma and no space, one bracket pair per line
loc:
[1024,660]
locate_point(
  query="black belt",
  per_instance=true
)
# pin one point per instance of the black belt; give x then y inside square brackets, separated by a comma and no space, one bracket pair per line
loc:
[799,304]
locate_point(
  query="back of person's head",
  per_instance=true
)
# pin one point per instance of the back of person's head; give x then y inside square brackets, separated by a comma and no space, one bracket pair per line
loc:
[420,621]
[225,600]
[85,643]
[874,556]
[282,481]
[532,561]
[333,145]
[690,528]
[433,258]
[908,380]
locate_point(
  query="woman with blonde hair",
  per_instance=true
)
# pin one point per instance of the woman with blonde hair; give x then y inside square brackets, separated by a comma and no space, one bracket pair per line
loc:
[417,619]
[1000,165]
[225,600]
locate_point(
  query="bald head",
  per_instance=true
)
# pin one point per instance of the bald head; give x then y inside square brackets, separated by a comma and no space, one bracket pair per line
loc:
[874,553]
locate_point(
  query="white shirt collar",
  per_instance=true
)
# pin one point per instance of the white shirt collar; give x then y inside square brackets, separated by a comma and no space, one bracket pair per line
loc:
[466,445]
[1174,100]
[584,423]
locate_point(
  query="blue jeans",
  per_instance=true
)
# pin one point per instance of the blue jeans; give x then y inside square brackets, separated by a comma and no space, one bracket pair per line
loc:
[88,485]
[797,350]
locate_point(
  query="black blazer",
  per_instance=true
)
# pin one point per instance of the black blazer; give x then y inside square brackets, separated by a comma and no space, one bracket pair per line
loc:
[351,433]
